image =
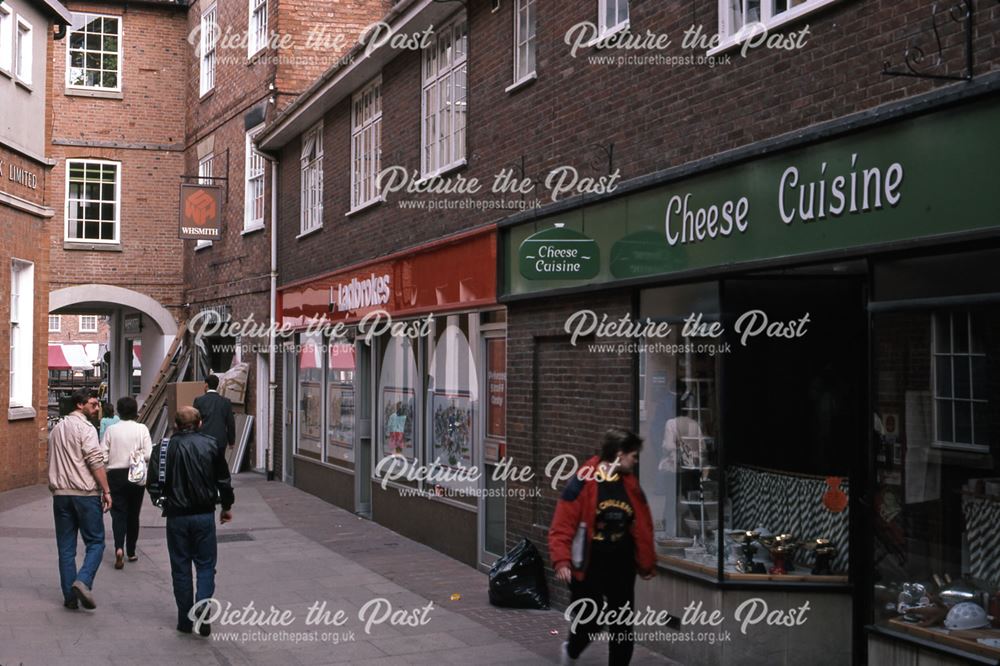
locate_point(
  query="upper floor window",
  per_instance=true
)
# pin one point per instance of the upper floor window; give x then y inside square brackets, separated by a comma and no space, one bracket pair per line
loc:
[366,144]
[22,301]
[206,47]
[612,15]
[94,53]
[258,26]
[22,51]
[524,39]
[748,16]
[205,166]
[253,217]
[88,323]
[93,193]
[6,36]
[55,323]
[444,98]
[312,180]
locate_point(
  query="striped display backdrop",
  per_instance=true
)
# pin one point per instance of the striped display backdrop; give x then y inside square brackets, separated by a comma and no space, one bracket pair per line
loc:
[789,504]
[982,515]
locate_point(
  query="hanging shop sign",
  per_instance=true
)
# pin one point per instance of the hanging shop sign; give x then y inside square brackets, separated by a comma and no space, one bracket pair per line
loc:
[924,177]
[454,274]
[200,212]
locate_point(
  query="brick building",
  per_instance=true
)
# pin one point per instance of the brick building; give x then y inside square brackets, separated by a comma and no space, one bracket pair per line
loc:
[24,215]
[830,173]
[116,117]
[234,87]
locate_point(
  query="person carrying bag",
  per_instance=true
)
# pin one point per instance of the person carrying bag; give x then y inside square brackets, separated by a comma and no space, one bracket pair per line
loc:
[127,447]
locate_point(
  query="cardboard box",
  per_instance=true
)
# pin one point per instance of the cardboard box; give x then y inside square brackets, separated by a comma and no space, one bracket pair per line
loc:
[181,394]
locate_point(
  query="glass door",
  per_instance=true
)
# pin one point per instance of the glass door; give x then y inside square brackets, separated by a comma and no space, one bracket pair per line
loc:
[493,508]
[363,431]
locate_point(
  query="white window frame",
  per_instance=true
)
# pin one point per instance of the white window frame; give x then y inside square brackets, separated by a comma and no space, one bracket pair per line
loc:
[366,145]
[529,41]
[731,35]
[208,39]
[6,39]
[206,168]
[433,165]
[252,175]
[87,329]
[256,26]
[23,54]
[87,17]
[603,27]
[22,303]
[311,181]
[117,202]
[952,399]
[57,319]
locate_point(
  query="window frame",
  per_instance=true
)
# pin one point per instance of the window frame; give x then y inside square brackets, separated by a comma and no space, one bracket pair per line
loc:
[205,179]
[433,167]
[728,37]
[530,7]
[58,321]
[117,201]
[257,37]
[207,56]
[119,71]
[374,123]
[19,23]
[603,29]
[22,302]
[88,329]
[967,355]
[316,162]
[250,222]
[7,23]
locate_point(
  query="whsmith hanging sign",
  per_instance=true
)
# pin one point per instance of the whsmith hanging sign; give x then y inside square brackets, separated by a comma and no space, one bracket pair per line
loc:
[201,212]
[923,177]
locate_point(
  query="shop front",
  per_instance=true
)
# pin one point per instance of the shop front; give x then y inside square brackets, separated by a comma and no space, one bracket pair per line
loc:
[815,345]
[395,392]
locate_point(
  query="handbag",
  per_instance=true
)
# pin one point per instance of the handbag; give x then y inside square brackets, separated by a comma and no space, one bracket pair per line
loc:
[137,466]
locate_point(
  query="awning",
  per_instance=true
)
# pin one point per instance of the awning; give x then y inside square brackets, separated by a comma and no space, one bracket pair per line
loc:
[341,356]
[310,356]
[136,356]
[57,360]
[76,356]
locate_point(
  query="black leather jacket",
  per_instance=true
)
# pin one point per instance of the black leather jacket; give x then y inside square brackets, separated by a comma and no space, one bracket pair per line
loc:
[197,476]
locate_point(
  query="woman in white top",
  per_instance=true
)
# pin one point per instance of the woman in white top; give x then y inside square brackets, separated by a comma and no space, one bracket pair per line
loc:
[126,498]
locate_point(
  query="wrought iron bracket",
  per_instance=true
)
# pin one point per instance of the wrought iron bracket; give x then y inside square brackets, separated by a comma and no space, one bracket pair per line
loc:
[922,63]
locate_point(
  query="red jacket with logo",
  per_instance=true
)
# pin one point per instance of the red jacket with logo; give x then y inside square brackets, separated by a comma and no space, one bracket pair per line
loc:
[578,503]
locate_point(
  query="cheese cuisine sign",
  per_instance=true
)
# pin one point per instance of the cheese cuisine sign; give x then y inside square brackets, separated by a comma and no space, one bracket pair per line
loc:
[201,212]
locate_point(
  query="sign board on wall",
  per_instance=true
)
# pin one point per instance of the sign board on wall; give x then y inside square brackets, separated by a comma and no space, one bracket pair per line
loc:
[201,212]
[920,177]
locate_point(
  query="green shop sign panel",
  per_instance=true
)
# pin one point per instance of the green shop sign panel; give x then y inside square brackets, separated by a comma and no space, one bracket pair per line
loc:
[923,177]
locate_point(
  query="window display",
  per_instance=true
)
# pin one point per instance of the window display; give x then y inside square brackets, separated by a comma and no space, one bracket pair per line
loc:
[310,396]
[340,403]
[397,394]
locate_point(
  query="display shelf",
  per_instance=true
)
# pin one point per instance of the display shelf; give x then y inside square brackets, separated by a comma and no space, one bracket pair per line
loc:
[963,640]
[733,575]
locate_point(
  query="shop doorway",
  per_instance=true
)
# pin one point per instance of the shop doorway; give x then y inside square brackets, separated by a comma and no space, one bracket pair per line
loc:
[363,430]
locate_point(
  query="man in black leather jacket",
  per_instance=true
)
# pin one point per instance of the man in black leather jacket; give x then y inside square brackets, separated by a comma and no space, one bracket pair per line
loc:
[196,478]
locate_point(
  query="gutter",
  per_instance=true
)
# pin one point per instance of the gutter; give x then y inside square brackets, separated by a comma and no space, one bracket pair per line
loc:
[272,383]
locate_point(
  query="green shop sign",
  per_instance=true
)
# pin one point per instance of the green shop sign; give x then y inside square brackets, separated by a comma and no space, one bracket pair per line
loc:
[922,177]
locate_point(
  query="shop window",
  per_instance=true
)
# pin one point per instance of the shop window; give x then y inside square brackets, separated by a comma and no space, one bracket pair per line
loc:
[444,99]
[94,54]
[93,193]
[310,396]
[340,402]
[206,49]
[525,12]
[397,399]
[366,144]
[937,485]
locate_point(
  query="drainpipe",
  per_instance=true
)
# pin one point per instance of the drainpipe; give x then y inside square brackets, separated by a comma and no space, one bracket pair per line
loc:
[272,383]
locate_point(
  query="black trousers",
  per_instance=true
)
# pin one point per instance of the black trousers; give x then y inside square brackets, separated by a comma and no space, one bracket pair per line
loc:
[126,503]
[611,580]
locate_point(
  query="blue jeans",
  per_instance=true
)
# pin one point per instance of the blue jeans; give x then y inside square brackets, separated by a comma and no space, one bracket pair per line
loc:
[84,515]
[191,539]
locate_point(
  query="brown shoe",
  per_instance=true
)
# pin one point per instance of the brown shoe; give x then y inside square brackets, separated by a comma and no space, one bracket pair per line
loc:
[84,595]
[119,559]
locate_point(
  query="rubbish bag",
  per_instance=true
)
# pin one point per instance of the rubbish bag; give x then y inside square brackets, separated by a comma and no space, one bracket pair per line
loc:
[517,580]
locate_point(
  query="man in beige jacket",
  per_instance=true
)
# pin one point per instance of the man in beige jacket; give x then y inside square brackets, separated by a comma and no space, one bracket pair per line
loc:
[80,494]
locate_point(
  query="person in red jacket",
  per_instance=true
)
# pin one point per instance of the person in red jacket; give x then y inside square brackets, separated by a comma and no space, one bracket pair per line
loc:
[604,503]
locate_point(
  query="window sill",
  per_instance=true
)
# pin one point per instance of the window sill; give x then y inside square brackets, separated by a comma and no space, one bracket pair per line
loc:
[252,229]
[24,84]
[253,58]
[787,17]
[440,173]
[607,34]
[517,85]
[101,94]
[20,413]
[205,95]
[199,247]
[365,206]
[310,232]
[92,247]
[5,72]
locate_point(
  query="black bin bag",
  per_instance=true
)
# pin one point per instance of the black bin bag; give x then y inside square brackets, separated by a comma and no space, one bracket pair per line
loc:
[517,580]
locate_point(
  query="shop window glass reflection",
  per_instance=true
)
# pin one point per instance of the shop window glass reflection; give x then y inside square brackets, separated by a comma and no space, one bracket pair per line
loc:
[340,402]
[397,398]
[310,396]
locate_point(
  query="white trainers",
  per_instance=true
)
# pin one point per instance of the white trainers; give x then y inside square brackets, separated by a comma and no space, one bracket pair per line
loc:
[565,659]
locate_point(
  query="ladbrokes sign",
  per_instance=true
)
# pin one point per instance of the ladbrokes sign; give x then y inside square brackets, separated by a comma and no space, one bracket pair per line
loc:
[201,212]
